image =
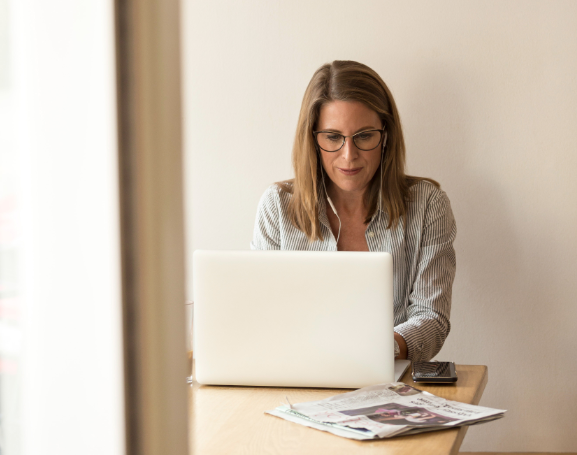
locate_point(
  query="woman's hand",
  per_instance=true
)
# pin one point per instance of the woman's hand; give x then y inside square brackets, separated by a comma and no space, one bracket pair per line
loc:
[402,346]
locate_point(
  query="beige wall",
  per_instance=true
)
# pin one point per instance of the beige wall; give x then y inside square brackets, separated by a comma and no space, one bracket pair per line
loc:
[487,93]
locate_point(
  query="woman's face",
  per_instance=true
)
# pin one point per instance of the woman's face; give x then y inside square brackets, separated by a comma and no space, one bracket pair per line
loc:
[350,169]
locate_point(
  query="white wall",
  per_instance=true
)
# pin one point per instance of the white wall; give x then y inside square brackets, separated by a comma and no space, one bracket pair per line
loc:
[487,92]
[58,138]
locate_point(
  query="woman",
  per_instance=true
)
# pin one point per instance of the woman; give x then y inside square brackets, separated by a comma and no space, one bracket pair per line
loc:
[349,155]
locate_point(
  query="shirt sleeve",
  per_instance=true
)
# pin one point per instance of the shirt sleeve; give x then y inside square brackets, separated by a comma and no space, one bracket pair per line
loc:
[429,308]
[266,234]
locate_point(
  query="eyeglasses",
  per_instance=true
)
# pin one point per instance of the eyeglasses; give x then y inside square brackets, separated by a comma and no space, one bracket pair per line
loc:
[364,140]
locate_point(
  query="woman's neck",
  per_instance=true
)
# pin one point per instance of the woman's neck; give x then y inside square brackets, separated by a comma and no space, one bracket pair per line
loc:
[347,202]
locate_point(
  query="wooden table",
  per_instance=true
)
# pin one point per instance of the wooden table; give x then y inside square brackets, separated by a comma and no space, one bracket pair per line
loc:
[231,420]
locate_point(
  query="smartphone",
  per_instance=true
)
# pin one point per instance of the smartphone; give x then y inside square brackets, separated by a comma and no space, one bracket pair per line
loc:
[434,372]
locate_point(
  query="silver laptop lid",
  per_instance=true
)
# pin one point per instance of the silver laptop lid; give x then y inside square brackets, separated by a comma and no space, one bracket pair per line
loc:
[293,318]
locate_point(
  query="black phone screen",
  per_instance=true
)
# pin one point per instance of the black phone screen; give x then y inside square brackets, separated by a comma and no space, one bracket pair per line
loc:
[434,372]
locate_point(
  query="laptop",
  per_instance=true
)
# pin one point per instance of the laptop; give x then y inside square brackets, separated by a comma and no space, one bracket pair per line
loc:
[294,318]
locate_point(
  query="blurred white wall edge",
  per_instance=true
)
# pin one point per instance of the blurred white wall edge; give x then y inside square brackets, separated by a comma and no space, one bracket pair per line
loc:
[62,55]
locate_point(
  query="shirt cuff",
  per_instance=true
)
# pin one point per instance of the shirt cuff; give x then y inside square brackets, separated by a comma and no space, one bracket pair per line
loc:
[415,342]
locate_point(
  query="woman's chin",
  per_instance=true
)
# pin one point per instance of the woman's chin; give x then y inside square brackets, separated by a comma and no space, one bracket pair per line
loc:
[351,187]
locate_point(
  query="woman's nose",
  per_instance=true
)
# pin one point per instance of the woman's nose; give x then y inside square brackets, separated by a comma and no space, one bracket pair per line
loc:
[350,150]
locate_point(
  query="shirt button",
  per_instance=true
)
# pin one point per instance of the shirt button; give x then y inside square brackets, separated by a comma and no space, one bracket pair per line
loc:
[371,234]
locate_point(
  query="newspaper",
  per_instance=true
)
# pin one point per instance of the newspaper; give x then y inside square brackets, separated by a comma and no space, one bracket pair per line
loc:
[384,411]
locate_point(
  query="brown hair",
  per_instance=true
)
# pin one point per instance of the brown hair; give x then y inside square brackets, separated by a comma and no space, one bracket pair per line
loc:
[347,81]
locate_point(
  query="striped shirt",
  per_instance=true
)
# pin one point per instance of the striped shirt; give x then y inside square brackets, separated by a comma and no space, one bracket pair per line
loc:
[423,258]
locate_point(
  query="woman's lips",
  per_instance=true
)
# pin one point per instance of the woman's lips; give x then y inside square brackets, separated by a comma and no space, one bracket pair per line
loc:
[350,171]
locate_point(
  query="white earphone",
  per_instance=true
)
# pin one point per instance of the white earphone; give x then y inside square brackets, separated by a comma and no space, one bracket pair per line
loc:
[381,187]
[330,202]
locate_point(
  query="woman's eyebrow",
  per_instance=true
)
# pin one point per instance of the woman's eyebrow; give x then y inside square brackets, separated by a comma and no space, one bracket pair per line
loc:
[334,130]
[366,128]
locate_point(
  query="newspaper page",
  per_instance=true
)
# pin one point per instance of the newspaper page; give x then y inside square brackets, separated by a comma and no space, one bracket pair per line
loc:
[384,411]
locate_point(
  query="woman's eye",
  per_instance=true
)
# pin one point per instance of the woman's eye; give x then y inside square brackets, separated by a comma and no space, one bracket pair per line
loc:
[365,136]
[334,137]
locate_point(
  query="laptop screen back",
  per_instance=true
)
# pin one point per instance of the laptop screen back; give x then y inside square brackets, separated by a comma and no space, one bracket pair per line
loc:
[293,318]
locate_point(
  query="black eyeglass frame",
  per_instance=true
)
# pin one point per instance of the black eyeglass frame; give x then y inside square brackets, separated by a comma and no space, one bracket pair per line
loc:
[382,131]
